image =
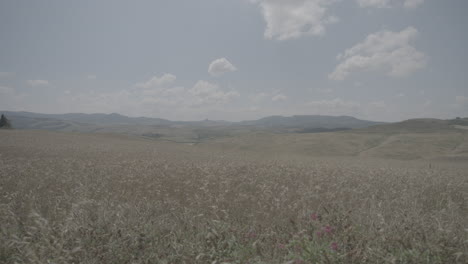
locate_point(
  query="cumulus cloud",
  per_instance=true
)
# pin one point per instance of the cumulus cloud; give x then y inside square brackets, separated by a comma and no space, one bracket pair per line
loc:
[390,3]
[156,82]
[295,18]
[161,90]
[258,97]
[220,66]
[35,83]
[279,97]
[206,93]
[272,96]
[387,51]
[159,96]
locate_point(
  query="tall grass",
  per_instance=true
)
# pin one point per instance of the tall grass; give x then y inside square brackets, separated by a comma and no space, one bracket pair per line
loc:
[129,203]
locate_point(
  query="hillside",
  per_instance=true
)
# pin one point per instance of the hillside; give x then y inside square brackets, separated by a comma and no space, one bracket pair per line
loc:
[421,125]
[310,122]
[181,131]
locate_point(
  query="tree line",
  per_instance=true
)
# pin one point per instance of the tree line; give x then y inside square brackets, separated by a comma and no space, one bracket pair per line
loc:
[4,122]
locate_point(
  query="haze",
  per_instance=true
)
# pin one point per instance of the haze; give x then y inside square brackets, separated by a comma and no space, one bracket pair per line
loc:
[385,60]
[236,131]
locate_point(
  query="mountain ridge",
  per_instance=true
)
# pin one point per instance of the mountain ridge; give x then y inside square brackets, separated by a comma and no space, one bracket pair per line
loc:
[116,118]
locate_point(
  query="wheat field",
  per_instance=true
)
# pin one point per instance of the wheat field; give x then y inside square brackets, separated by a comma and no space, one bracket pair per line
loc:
[83,198]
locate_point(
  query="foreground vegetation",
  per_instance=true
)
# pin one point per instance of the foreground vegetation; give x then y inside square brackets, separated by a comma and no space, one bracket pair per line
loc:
[69,198]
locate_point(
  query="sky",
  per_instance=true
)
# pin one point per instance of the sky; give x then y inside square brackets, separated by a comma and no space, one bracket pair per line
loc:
[385,60]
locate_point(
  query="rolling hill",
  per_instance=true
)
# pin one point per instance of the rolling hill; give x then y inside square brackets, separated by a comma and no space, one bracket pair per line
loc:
[175,130]
[277,135]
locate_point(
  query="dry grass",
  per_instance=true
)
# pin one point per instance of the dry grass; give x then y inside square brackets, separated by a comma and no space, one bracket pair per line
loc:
[68,198]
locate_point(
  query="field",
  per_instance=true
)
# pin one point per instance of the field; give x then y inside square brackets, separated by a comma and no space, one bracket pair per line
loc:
[253,198]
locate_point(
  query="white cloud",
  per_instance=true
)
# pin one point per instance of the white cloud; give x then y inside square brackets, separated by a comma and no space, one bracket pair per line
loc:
[160,92]
[427,103]
[295,18]
[387,51]
[279,97]
[390,3]
[265,97]
[38,82]
[206,93]
[156,82]
[258,97]
[91,77]
[220,66]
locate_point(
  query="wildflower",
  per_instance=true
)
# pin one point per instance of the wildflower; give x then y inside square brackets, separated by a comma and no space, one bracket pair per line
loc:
[334,246]
[319,233]
[281,246]
[328,229]
[314,216]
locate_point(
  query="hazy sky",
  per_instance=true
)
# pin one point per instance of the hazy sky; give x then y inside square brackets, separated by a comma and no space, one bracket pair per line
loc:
[236,59]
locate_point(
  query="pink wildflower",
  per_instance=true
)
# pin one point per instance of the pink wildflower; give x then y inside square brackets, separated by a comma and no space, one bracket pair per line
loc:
[328,229]
[334,246]
[314,216]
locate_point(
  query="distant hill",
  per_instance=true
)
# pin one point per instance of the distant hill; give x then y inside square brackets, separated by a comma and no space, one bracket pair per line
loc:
[310,122]
[308,136]
[298,121]
[182,131]
[420,125]
[100,119]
